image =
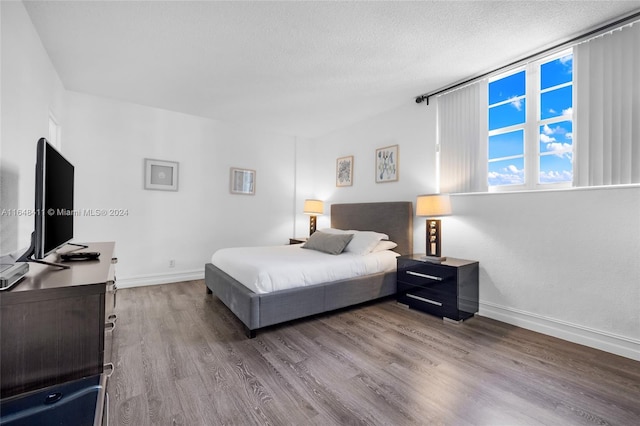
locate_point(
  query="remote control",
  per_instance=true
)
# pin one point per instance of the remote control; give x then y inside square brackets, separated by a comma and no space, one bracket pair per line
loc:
[80,255]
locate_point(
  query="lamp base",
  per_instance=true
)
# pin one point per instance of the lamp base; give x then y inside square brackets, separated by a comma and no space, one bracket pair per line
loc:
[312,225]
[434,259]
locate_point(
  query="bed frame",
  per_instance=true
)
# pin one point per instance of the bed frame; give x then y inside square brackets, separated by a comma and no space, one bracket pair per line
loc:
[261,310]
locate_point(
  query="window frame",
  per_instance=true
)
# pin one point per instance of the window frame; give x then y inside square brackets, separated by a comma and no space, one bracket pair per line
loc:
[532,124]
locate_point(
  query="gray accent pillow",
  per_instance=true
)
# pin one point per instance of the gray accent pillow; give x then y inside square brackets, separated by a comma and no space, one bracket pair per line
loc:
[328,243]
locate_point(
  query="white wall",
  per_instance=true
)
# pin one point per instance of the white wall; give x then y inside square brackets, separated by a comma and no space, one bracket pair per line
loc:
[30,89]
[108,141]
[405,127]
[565,263]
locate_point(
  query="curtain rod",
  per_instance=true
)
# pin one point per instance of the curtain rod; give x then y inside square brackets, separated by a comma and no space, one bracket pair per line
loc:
[613,25]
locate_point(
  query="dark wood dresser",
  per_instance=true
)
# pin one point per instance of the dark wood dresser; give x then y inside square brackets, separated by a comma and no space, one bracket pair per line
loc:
[55,321]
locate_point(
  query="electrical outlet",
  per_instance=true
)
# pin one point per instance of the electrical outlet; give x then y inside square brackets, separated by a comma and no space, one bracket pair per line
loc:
[172,263]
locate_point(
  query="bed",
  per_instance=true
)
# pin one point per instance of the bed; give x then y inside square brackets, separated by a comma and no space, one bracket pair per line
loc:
[259,310]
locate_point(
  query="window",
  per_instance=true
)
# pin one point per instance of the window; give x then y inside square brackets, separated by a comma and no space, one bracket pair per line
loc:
[530,125]
[507,119]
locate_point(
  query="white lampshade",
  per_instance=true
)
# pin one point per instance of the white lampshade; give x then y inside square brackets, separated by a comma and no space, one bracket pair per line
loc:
[313,207]
[433,205]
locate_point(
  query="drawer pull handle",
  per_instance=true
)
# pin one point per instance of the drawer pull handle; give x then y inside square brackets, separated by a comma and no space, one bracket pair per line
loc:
[418,274]
[106,408]
[108,366]
[433,302]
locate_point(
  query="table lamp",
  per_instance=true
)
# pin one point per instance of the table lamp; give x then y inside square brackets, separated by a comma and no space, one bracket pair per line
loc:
[313,208]
[433,206]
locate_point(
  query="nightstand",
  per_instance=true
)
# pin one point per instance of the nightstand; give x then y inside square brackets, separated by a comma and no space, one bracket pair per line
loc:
[297,240]
[448,289]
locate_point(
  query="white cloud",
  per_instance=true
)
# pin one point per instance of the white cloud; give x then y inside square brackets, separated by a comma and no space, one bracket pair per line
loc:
[509,175]
[556,176]
[558,130]
[516,103]
[560,149]
[552,111]
[567,111]
[546,139]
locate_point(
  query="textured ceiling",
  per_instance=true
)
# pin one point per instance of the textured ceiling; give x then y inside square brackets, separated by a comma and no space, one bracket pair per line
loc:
[300,68]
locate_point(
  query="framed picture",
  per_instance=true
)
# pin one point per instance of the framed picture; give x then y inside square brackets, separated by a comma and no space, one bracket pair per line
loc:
[160,175]
[344,171]
[243,181]
[387,167]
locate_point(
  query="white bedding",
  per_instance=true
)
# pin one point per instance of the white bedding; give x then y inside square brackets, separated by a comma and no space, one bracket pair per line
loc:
[267,269]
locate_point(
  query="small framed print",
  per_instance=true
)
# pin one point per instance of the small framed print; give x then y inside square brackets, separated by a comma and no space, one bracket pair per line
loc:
[387,166]
[242,181]
[344,171]
[160,175]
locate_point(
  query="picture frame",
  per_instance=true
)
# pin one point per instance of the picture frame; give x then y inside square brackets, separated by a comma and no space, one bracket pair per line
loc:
[242,181]
[344,171]
[387,165]
[160,175]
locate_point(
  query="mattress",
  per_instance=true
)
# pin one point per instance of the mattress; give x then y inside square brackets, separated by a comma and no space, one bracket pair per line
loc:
[273,268]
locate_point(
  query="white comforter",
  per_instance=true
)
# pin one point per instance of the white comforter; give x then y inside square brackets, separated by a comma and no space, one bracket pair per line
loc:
[267,269]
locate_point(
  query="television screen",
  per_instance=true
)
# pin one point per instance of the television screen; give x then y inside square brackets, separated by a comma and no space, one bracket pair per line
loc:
[54,202]
[53,206]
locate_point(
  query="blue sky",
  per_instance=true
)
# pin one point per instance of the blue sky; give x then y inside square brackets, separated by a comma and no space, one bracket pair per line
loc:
[555,138]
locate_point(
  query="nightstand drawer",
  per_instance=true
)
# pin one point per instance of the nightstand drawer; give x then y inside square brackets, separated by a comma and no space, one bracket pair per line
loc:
[428,276]
[427,300]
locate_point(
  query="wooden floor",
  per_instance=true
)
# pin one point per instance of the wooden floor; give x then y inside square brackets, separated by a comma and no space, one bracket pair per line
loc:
[182,358]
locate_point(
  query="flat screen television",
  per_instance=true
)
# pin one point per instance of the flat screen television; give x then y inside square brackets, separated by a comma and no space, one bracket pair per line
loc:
[53,203]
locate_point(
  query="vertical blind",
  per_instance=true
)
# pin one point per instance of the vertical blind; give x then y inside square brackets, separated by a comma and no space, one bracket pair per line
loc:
[463,152]
[607,133]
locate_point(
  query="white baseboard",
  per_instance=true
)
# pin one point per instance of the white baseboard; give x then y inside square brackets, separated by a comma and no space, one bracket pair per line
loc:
[608,342]
[165,278]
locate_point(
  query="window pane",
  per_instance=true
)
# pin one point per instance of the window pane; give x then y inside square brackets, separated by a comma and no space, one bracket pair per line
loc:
[556,72]
[507,114]
[507,88]
[556,103]
[506,144]
[506,172]
[555,169]
[557,138]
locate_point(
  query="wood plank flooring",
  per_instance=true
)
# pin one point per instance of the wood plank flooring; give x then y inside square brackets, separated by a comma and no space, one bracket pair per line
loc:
[182,359]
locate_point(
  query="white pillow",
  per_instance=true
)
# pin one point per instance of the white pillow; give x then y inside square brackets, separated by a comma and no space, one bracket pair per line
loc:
[351,231]
[384,245]
[363,242]
[380,234]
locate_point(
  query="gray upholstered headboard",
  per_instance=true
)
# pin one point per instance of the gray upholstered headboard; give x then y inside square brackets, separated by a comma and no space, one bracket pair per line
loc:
[392,218]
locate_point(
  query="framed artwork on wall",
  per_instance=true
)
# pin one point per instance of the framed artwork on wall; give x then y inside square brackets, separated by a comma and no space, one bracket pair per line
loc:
[344,171]
[387,166]
[160,175]
[242,181]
